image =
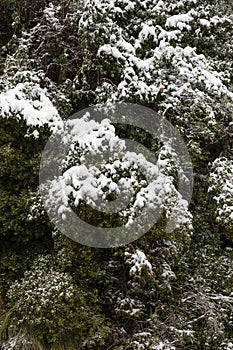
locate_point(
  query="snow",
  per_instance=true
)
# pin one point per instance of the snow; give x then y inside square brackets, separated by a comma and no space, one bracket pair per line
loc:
[110,50]
[28,101]
[50,15]
[41,289]
[167,272]
[163,346]
[147,31]
[204,22]
[139,77]
[179,21]
[169,35]
[221,185]
[138,262]
[93,180]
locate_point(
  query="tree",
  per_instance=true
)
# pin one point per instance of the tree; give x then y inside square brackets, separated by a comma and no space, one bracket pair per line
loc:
[165,290]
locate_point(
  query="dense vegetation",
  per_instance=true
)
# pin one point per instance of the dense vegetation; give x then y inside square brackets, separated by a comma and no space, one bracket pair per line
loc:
[166,290]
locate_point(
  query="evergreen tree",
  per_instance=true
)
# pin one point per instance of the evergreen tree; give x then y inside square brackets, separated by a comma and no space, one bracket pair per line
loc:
[166,290]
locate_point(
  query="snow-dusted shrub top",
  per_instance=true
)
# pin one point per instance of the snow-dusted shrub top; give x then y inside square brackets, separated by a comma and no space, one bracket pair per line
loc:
[138,263]
[29,102]
[123,174]
[143,50]
[42,293]
[227,346]
[221,185]
[25,100]
[147,48]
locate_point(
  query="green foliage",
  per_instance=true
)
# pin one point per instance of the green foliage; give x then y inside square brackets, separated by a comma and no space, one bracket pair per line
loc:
[57,310]
[167,290]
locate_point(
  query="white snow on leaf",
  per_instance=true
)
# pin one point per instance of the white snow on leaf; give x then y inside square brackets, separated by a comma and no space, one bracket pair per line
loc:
[50,15]
[221,185]
[91,182]
[204,22]
[147,31]
[138,262]
[28,101]
[179,21]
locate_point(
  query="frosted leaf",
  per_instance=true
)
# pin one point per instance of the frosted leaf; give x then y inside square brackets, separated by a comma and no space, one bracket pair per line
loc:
[138,262]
